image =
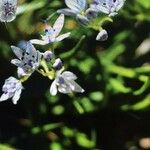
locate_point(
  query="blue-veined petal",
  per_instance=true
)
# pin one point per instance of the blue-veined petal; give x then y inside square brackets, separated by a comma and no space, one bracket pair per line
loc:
[58,25]
[16,62]
[17,51]
[69,75]
[76,5]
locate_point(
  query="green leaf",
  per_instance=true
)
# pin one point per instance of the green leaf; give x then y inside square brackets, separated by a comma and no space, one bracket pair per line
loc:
[141,105]
[73,51]
[30,7]
[96,96]
[118,86]
[145,86]
[82,140]
[6,147]
[68,132]
[55,146]
[58,110]
[45,128]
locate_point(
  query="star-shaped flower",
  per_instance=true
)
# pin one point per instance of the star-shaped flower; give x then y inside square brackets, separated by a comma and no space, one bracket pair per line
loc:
[52,33]
[78,9]
[64,83]
[8,10]
[12,88]
[110,7]
[28,58]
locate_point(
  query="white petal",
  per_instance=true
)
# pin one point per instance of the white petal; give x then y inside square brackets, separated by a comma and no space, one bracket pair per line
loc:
[63,36]
[21,72]
[58,25]
[39,42]
[16,62]
[30,48]
[120,4]
[67,12]
[113,14]
[64,88]
[102,9]
[4,97]
[17,51]
[76,5]
[16,96]
[53,88]
[75,87]
[69,75]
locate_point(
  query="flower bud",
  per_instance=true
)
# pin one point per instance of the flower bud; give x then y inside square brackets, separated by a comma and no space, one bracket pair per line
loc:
[48,55]
[58,64]
[102,35]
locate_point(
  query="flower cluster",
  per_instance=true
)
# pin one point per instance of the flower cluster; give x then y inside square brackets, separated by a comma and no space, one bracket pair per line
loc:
[29,59]
[85,14]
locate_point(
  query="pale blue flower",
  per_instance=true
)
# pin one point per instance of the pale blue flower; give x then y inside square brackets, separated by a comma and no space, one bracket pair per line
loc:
[64,83]
[52,33]
[110,7]
[78,9]
[12,88]
[8,10]
[28,59]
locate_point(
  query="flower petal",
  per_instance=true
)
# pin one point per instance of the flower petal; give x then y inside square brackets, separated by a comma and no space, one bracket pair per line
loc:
[63,36]
[76,5]
[103,9]
[120,4]
[4,97]
[53,88]
[39,42]
[16,62]
[58,25]
[69,75]
[16,96]
[64,88]
[75,87]
[17,51]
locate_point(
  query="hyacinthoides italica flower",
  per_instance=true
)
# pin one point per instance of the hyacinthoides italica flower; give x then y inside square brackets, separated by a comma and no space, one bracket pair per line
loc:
[8,10]
[30,60]
[87,14]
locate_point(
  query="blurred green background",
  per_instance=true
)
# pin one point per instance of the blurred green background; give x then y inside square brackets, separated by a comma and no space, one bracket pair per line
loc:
[114,111]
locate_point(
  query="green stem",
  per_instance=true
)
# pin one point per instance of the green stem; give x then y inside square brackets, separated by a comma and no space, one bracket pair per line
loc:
[73,51]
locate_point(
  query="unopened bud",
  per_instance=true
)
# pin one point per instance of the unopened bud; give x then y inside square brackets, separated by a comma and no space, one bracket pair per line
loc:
[58,64]
[102,35]
[48,55]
